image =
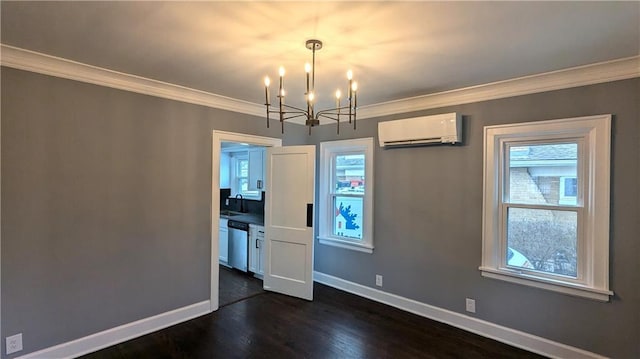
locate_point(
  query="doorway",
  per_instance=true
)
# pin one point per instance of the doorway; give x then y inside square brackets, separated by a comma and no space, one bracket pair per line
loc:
[220,137]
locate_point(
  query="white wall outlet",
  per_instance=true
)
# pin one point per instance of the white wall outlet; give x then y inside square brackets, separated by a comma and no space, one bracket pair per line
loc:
[226,202]
[471,305]
[378,280]
[14,343]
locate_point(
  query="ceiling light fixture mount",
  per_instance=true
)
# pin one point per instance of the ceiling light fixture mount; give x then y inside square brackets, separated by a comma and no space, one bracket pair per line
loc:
[286,112]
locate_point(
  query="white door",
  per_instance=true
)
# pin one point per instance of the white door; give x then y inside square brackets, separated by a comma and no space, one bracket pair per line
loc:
[289,212]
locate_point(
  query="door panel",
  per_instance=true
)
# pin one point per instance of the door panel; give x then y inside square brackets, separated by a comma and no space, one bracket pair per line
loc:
[288,240]
[288,260]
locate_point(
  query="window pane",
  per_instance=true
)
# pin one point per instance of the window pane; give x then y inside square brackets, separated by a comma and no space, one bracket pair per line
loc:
[349,173]
[348,217]
[243,168]
[543,174]
[543,240]
[243,184]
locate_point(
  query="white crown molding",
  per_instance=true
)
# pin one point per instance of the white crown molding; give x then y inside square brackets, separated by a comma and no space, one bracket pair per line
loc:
[120,334]
[55,66]
[614,70]
[484,328]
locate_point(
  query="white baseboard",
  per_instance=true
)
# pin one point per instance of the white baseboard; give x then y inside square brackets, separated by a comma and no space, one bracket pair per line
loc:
[122,333]
[497,332]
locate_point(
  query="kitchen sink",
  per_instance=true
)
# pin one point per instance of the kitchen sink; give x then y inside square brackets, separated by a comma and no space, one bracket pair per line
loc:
[229,213]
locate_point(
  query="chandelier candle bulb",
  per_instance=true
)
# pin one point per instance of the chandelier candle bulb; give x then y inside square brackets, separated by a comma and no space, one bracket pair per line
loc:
[281,71]
[350,78]
[267,82]
[307,69]
[355,102]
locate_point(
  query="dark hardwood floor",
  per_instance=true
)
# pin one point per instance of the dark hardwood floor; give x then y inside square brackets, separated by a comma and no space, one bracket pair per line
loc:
[335,325]
[235,285]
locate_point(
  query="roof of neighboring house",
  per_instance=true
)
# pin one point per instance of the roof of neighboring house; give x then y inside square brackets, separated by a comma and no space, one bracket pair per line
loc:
[567,151]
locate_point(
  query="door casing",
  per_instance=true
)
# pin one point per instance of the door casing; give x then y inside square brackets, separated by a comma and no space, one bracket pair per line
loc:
[218,138]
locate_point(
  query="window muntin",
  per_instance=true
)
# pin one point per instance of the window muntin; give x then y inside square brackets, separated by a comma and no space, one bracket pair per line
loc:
[546,196]
[345,207]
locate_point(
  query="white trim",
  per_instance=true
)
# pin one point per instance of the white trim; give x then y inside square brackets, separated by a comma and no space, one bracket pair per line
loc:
[594,132]
[548,284]
[619,69]
[55,66]
[608,71]
[216,148]
[344,244]
[113,336]
[326,208]
[484,328]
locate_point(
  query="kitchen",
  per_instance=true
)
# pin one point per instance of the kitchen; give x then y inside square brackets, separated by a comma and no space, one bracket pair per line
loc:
[241,222]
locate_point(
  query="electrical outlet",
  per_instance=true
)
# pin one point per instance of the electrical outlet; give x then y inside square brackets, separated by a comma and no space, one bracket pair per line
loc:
[14,343]
[226,202]
[471,305]
[378,280]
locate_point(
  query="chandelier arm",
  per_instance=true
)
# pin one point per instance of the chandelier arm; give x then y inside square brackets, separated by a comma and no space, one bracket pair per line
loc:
[327,116]
[284,118]
[336,112]
[297,109]
[295,116]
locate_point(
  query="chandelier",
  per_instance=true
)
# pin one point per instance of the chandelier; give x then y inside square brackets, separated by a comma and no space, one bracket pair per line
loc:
[287,112]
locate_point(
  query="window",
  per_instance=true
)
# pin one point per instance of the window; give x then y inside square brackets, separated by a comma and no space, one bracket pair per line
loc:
[346,194]
[242,173]
[240,168]
[568,190]
[546,205]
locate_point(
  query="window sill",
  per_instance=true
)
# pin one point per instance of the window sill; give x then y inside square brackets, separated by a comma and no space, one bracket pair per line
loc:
[556,286]
[346,244]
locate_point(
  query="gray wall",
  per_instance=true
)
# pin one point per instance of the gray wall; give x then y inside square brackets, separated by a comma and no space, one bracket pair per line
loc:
[105,205]
[428,224]
[106,196]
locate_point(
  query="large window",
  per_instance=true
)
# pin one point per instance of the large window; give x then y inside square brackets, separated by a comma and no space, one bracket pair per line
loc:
[346,198]
[546,205]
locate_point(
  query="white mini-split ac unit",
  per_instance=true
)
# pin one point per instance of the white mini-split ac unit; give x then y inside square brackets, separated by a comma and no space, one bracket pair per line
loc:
[417,131]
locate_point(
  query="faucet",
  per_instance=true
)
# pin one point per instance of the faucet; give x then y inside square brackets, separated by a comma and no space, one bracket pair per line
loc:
[241,202]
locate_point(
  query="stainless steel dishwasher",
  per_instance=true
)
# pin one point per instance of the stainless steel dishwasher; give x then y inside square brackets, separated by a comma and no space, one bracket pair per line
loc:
[238,245]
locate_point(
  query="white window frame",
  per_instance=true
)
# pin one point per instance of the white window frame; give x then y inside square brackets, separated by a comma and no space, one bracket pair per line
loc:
[326,210]
[593,133]
[236,188]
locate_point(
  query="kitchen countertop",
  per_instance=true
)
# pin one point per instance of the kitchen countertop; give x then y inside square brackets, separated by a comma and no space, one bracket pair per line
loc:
[250,218]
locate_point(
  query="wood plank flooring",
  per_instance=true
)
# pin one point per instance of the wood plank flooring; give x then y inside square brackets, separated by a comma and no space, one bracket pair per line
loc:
[335,325]
[235,285]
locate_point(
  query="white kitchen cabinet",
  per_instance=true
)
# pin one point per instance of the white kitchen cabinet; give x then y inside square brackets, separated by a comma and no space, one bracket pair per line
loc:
[256,169]
[256,250]
[223,242]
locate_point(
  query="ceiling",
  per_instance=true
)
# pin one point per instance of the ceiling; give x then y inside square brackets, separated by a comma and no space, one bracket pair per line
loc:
[396,49]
